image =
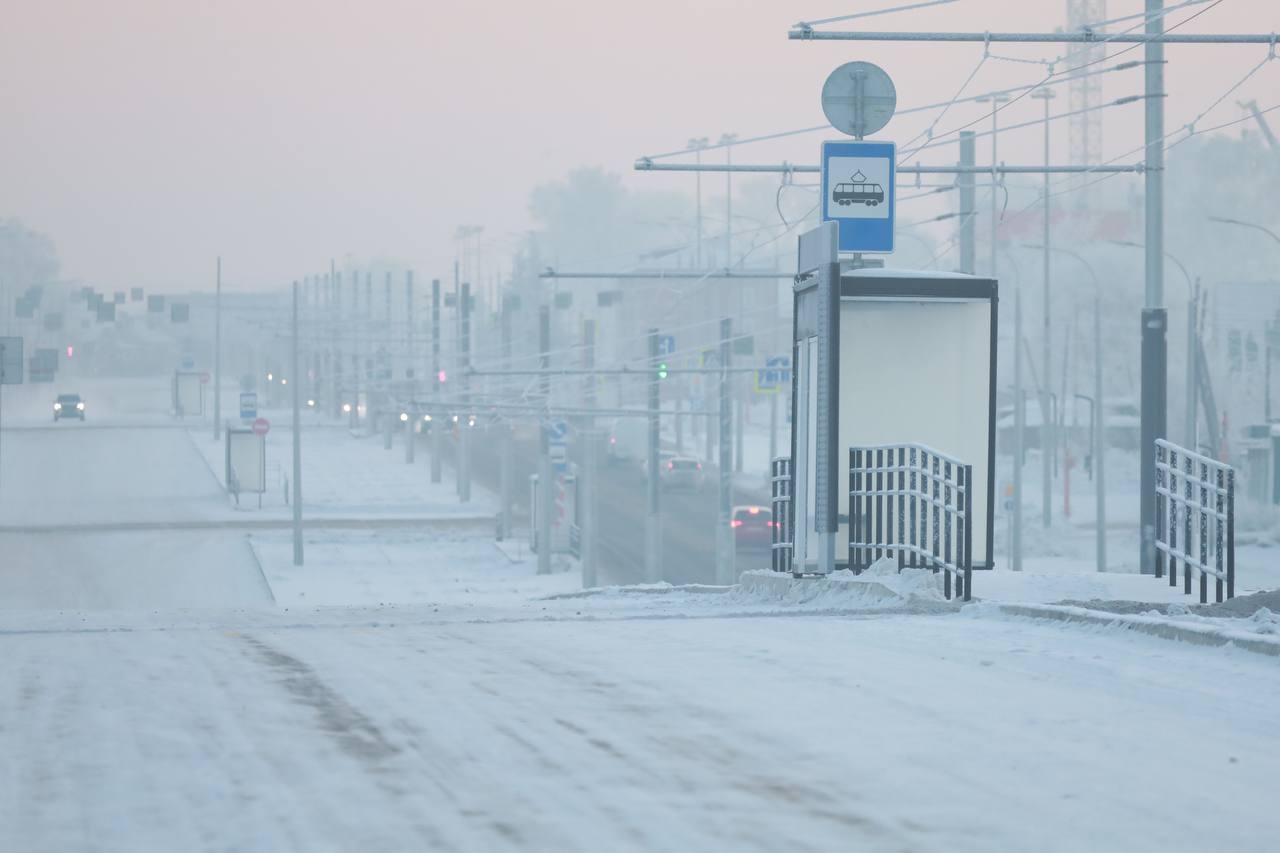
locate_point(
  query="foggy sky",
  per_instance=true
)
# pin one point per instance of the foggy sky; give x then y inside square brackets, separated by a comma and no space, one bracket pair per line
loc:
[147,136]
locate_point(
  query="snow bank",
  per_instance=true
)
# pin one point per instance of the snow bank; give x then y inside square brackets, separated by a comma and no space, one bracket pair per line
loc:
[881,587]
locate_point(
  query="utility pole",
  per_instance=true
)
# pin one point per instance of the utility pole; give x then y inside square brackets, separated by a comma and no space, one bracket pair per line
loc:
[438,422]
[542,508]
[1189,424]
[698,145]
[465,427]
[587,550]
[727,140]
[1100,434]
[995,100]
[387,396]
[410,423]
[507,438]
[968,198]
[296,496]
[339,325]
[1154,318]
[724,533]
[1019,434]
[217,355]
[652,519]
[1048,437]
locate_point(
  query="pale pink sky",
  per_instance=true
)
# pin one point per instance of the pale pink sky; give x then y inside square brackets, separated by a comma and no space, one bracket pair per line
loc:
[147,136]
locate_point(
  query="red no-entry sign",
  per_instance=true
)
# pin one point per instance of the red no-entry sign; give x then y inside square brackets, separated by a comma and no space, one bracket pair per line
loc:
[261,426]
[204,378]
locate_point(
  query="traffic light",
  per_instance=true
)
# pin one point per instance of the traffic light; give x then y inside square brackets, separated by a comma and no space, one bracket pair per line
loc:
[662,370]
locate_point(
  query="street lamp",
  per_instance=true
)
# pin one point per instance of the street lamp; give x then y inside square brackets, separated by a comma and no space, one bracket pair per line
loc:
[995,100]
[1229,221]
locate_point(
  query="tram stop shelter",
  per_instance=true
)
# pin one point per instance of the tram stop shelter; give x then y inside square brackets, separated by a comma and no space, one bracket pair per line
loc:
[886,357]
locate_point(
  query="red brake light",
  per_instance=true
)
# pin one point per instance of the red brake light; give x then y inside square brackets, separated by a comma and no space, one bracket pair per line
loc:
[671,466]
[737,522]
[613,439]
[699,466]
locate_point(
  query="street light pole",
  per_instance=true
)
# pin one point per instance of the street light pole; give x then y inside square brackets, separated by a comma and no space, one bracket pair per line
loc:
[995,100]
[296,495]
[727,140]
[217,356]
[697,145]
[1048,430]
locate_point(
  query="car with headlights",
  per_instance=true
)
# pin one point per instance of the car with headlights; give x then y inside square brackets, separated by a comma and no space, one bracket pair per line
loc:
[680,472]
[68,406]
[752,527]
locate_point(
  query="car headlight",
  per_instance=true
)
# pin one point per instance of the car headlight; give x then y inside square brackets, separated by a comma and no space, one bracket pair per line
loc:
[80,406]
[57,407]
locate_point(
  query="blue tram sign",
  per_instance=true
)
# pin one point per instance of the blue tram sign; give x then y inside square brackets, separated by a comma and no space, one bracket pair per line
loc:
[858,194]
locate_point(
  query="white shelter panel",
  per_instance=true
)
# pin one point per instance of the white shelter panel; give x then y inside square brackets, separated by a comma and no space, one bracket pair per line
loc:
[918,370]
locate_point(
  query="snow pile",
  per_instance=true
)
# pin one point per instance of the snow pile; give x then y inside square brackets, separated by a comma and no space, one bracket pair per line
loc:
[880,587]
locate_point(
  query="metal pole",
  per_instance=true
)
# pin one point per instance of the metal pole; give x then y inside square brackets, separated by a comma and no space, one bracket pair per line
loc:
[725,551]
[968,227]
[465,427]
[1048,430]
[728,213]
[296,496]
[410,422]
[217,356]
[1154,319]
[737,434]
[653,521]
[439,423]
[1100,433]
[1019,434]
[1189,423]
[995,206]
[773,424]
[543,501]
[505,462]
[587,506]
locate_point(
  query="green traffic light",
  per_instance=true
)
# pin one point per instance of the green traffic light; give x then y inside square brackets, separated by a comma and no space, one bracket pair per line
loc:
[662,370]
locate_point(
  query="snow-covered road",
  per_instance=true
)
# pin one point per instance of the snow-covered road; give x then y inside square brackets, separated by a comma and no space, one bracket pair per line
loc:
[444,728]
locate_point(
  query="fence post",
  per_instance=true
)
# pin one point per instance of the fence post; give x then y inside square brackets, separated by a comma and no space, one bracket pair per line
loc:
[902,505]
[1160,501]
[853,530]
[1231,533]
[1188,487]
[1217,538]
[968,531]
[946,522]
[1204,532]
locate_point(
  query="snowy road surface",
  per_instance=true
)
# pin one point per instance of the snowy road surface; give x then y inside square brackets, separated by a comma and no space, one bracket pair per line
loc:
[434,728]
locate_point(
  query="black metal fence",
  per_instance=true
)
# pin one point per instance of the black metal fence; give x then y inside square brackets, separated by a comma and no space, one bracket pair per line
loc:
[1195,519]
[781,481]
[911,502]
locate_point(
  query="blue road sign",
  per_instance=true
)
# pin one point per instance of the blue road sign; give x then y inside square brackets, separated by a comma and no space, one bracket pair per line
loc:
[557,432]
[858,193]
[776,373]
[248,405]
[188,362]
[666,344]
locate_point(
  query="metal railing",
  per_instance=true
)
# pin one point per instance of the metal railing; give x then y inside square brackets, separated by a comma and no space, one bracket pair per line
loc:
[911,502]
[780,546]
[1191,487]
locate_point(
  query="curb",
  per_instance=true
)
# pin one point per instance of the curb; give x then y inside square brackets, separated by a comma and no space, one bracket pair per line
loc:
[1200,636]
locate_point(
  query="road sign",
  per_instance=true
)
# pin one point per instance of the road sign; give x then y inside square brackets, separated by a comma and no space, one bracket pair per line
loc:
[776,373]
[261,426]
[248,405]
[859,98]
[858,194]
[11,361]
[666,344]
[204,378]
[557,432]
[711,358]
[188,362]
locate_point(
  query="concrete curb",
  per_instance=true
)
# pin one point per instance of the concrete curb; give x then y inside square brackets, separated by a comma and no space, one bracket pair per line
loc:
[1201,635]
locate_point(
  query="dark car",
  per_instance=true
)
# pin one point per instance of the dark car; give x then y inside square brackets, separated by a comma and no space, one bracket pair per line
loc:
[752,526]
[68,406]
